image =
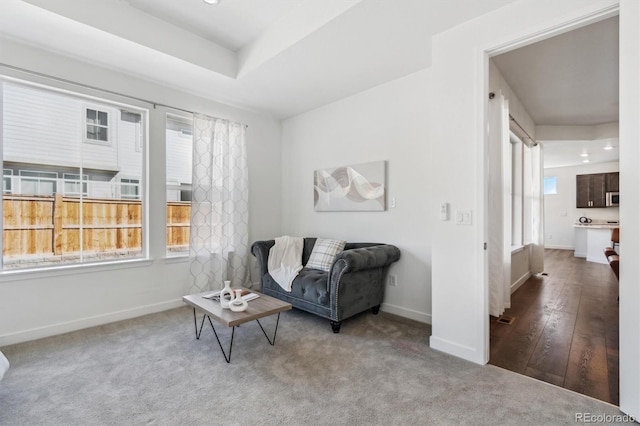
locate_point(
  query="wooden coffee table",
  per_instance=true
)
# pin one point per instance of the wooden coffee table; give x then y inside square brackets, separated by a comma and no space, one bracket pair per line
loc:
[258,308]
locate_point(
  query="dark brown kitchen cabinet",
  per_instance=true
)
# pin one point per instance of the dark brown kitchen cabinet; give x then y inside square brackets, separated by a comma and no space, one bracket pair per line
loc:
[591,190]
[613,182]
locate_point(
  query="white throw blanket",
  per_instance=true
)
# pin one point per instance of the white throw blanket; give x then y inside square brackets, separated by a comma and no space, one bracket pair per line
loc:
[285,260]
[4,365]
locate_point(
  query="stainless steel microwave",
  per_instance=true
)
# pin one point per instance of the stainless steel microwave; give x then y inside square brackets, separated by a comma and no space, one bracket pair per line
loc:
[613,199]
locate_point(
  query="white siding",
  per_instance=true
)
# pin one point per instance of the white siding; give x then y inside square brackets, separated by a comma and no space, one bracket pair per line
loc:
[43,127]
[179,148]
[130,159]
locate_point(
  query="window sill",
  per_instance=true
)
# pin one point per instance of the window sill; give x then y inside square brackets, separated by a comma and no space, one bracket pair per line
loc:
[35,273]
[177,258]
[516,249]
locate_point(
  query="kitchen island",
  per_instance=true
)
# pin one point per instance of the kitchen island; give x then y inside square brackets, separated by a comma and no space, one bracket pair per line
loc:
[591,239]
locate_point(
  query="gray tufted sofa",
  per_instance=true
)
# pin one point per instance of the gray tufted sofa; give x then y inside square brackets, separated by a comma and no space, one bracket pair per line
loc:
[354,283]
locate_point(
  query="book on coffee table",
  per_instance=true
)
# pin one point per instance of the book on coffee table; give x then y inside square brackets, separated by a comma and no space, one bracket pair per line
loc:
[247,295]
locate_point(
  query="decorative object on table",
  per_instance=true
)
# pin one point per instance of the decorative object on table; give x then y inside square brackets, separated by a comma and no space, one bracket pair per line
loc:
[226,295]
[238,304]
[358,187]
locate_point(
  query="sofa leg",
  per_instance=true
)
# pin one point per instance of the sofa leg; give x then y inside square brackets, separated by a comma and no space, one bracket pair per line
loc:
[335,325]
[375,310]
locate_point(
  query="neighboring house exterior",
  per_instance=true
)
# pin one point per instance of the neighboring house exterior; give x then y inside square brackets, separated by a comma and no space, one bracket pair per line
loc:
[179,155]
[49,137]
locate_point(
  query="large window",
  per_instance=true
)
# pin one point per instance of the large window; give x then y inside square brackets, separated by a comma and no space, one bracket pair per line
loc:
[179,147]
[67,201]
[521,193]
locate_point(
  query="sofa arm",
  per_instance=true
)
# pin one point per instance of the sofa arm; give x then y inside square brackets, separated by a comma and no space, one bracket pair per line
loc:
[260,250]
[375,256]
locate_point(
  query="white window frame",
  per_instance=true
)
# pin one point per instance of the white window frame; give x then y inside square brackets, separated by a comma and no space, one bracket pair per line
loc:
[7,177]
[130,183]
[23,176]
[516,193]
[75,180]
[174,188]
[109,101]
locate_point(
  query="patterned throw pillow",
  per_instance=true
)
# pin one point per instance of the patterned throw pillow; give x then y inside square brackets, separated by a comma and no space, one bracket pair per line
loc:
[324,252]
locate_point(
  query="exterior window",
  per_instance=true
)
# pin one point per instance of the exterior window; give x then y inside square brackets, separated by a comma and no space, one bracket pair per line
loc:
[516,193]
[130,188]
[72,184]
[68,202]
[38,183]
[179,152]
[97,125]
[7,180]
[550,185]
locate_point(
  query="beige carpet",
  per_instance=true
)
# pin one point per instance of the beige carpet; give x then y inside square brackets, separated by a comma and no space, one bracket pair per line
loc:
[378,371]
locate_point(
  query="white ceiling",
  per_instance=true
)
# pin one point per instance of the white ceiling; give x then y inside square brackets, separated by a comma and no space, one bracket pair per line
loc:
[569,80]
[276,57]
[232,23]
[285,57]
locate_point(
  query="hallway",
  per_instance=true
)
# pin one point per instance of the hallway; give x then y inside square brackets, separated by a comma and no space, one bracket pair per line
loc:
[565,330]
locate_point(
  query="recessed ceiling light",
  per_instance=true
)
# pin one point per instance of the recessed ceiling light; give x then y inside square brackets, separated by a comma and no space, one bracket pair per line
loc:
[584,154]
[607,148]
[586,160]
[212,1]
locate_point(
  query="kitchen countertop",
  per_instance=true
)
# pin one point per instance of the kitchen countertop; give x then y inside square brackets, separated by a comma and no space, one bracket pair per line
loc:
[596,225]
[591,238]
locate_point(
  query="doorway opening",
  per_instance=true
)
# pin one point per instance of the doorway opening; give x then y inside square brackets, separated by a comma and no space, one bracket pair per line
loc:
[562,93]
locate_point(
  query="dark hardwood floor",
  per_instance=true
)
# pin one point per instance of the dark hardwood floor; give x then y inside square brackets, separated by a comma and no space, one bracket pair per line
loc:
[566,327]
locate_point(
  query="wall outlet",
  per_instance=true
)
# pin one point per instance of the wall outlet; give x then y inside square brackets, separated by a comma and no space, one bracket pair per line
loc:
[393,280]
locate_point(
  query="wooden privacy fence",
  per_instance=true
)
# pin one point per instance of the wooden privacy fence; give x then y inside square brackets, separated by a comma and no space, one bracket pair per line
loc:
[50,225]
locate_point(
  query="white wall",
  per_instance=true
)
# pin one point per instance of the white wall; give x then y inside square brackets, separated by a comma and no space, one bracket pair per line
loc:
[459,99]
[384,123]
[630,207]
[460,308]
[38,304]
[560,212]
[516,109]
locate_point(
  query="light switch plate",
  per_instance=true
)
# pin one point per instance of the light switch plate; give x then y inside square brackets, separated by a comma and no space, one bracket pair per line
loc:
[444,211]
[464,217]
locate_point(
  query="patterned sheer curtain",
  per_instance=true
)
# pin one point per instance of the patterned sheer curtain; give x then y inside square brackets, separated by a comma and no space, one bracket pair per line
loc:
[219,237]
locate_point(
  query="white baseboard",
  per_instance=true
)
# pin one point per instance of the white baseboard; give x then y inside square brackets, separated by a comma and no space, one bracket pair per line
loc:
[455,349]
[520,281]
[558,247]
[66,327]
[406,313]
[598,259]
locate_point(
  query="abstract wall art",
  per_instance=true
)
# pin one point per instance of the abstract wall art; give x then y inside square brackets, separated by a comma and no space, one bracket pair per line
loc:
[359,187]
